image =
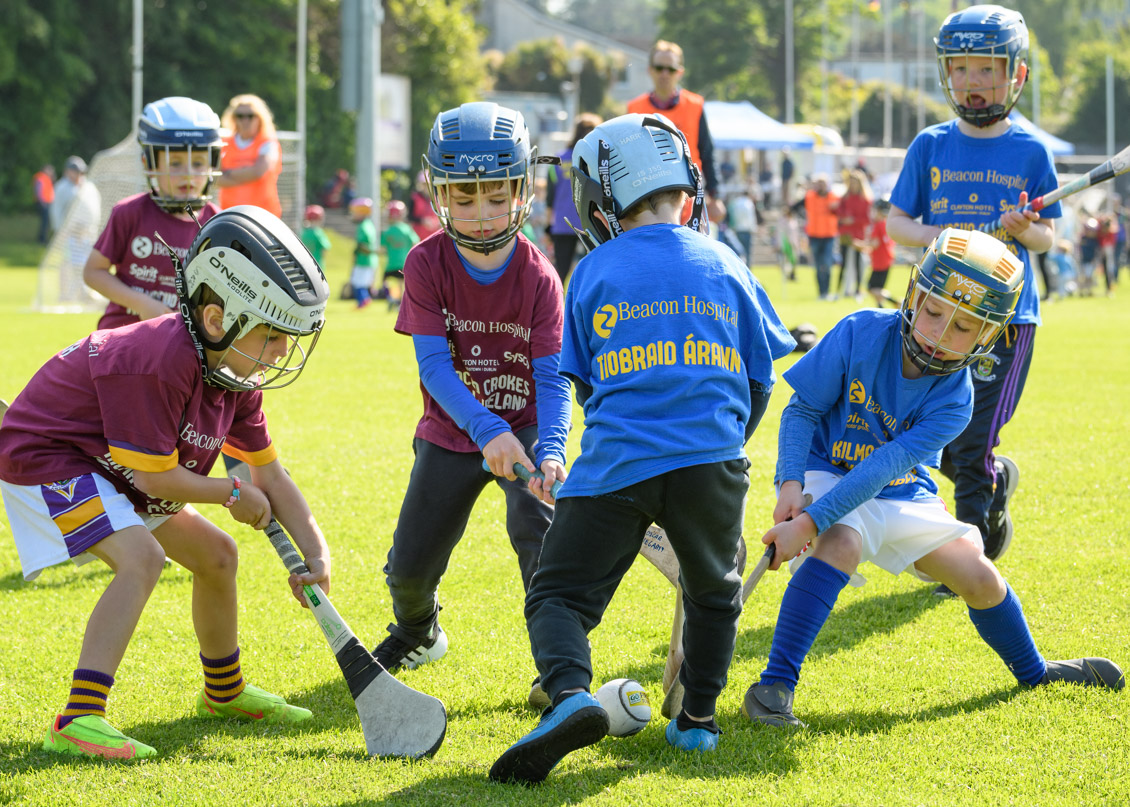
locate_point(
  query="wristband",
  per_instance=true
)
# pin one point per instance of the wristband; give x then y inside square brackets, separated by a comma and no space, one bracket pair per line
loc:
[236,484]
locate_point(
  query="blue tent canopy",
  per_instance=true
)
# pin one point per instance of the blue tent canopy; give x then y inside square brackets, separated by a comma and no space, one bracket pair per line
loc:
[742,125]
[1055,145]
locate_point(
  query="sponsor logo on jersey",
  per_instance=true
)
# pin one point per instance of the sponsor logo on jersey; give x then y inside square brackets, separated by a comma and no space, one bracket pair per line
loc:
[604,320]
[935,177]
[141,246]
[857,394]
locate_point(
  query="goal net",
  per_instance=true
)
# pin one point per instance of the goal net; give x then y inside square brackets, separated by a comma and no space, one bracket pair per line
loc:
[116,173]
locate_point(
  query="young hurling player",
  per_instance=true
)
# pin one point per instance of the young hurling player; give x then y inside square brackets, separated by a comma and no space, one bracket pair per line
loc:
[109,443]
[874,404]
[670,343]
[180,152]
[966,173]
[483,307]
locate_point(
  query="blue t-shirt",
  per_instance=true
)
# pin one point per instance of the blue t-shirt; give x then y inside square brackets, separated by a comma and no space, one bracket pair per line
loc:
[953,180]
[668,328]
[853,379]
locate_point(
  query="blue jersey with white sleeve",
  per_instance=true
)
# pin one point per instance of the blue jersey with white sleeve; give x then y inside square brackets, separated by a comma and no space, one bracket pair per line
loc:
[950,179]
[668,329]
[865,414]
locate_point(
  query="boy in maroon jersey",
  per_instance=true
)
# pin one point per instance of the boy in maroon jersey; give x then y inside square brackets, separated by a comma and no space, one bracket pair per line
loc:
[104,450]
[180,144]
[484,309]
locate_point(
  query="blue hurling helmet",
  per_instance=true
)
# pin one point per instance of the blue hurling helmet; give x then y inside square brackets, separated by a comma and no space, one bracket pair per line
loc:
[179,124]
[623,161]
[992,31]
[964,271]
[473,145]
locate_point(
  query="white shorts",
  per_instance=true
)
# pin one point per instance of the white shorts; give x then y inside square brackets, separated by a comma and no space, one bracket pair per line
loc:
[362,277]
[61,520]
[895,532]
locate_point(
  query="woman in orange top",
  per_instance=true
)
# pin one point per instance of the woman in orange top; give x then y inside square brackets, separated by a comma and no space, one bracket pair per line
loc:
[252,158]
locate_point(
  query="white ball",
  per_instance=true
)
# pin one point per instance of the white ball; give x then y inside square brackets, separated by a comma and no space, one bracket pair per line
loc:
[627,705]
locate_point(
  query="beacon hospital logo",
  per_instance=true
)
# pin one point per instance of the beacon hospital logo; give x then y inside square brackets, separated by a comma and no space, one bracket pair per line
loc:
[604,320]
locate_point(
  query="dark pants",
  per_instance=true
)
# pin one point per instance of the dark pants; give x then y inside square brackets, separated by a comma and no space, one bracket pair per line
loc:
[44,221]
[998,381]
[564,250]
[442,490]
[594,540]
[822,254]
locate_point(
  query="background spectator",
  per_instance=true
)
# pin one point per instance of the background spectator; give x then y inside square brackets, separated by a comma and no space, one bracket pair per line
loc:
[44,185]
[252,158]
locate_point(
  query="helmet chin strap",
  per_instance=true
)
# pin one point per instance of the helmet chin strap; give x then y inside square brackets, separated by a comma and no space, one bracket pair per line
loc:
[199,341]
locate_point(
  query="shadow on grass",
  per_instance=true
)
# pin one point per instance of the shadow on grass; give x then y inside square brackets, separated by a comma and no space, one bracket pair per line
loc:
[850,624]
[95,570]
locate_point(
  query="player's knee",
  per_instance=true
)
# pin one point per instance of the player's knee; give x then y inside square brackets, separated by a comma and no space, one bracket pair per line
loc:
[143,562]
[983,585]
[218,557]
[840,546]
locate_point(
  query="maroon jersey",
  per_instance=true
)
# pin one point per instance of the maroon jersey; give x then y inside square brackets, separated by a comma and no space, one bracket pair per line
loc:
[130,243]
[125,399]
[494,332]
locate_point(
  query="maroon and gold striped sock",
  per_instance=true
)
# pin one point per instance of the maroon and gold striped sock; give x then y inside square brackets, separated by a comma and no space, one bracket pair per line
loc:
[89,690]
[223,678]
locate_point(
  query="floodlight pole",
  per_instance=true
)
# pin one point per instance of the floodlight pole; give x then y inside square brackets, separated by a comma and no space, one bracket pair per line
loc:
[300,105]
[138,60]
[368,115]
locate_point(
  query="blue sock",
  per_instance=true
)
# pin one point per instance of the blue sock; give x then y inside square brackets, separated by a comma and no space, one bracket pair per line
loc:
[1004,629]
[808,601]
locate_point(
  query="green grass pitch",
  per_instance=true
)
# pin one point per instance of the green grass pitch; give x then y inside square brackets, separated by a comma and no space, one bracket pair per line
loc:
[906,705]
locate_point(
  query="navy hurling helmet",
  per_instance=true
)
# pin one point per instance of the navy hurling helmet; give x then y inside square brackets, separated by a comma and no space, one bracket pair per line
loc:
[990,31]
[472,148]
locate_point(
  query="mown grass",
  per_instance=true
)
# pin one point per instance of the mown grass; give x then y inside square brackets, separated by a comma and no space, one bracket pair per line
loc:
[906,705]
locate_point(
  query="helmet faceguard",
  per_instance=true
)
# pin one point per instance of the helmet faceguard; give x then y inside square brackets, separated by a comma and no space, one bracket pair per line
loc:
[986,31]
[249,262]
[179,124]
[471,149]
[623,161]
[959,300]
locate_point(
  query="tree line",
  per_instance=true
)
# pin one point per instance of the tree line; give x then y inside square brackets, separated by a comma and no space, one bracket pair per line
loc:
[66,81]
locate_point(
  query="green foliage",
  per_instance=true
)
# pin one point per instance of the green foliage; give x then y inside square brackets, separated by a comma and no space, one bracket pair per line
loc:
[1087,80]
[65,73]
[436,44]
[542,66]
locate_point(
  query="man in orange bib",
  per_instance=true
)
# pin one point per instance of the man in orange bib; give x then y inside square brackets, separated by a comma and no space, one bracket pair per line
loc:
[685,109]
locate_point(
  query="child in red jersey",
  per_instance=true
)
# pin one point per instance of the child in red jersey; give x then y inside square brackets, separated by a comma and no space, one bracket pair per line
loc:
[180,143]
[104,450]
[484,309]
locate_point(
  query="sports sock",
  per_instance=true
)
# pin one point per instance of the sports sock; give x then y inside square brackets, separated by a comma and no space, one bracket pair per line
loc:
[89,690]
[223,678]
[808,601]
[1004,628]
[686,724]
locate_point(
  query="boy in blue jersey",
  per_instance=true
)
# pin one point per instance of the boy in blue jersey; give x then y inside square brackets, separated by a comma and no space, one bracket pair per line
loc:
[669,341]
[966,173]
[875,402]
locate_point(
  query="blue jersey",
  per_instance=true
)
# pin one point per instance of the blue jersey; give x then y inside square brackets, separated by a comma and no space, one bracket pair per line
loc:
[953,180]
[668,328]
[853,378]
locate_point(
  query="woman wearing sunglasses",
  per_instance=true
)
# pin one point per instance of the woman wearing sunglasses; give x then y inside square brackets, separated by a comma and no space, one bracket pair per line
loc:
[252,158]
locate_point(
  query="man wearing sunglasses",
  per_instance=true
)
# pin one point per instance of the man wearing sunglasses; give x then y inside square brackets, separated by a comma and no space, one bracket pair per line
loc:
[685,109]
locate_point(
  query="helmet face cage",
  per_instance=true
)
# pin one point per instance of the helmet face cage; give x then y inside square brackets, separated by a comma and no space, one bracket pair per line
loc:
[972,281]
[623,161]
[185,126]
[983,31]
[256,267]
[471,150]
